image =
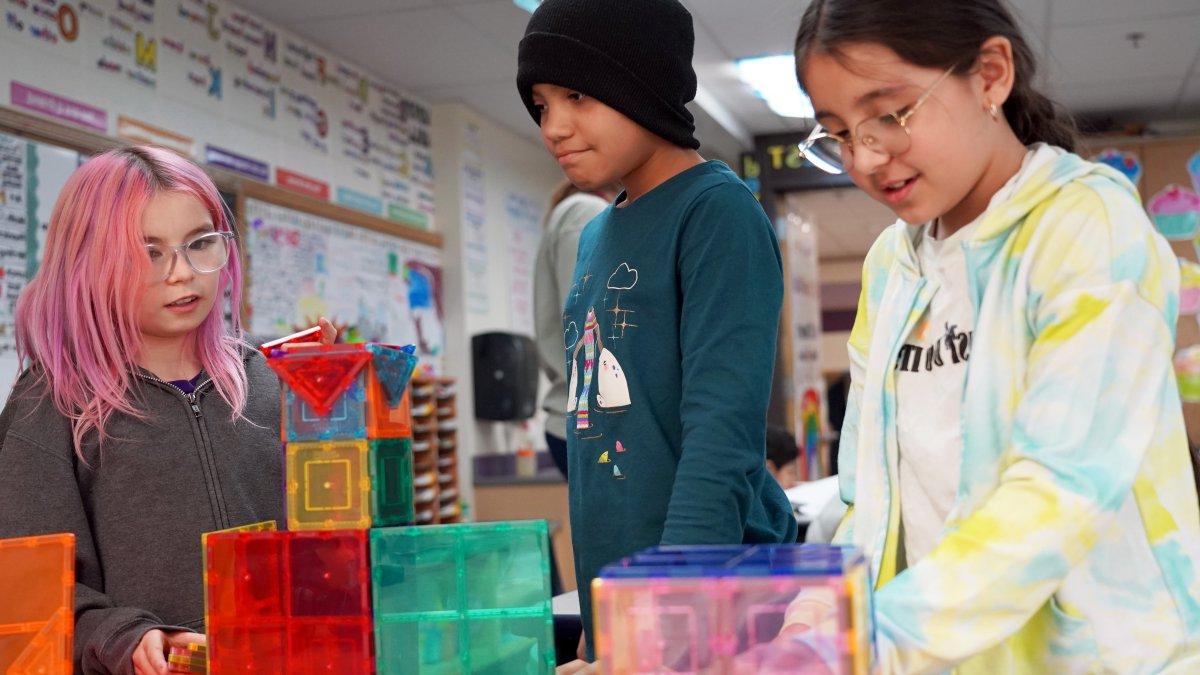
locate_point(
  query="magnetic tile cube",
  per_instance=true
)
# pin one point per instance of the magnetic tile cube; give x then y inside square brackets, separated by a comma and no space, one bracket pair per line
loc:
[345,391]
[391,482]
[37,621]
[347,427]
[328,485]
[722,609]
[468,598]
[294,602]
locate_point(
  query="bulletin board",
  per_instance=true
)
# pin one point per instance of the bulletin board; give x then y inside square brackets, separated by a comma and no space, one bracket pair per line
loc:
[374,285]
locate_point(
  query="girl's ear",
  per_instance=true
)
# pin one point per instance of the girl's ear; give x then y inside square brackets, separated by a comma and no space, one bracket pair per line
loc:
[996,71]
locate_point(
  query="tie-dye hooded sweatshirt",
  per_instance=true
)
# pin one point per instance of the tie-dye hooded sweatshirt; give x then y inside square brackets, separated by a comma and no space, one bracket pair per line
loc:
[1074,544]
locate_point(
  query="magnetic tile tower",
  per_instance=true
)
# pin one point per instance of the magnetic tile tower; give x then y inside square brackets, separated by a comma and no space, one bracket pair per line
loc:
[735,609]
[37,596]
[352,587]
[347,430]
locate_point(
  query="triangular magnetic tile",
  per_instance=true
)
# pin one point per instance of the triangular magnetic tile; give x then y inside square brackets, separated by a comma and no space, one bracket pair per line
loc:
[394,368]
[320,377]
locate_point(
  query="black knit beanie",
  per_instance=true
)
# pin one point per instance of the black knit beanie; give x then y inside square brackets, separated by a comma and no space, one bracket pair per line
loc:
[635,56]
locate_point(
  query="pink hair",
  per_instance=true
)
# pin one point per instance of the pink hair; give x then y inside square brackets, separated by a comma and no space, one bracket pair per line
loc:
[76,321]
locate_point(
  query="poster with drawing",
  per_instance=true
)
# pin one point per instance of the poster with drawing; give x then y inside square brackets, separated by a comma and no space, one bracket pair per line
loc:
[375,287]
[802,296]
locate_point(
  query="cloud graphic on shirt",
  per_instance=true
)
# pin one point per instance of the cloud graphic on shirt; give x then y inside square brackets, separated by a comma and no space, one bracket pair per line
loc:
[623,278]
[571,335]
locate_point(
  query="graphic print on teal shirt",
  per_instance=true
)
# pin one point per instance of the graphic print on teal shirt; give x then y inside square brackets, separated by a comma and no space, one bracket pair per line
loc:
[603,377]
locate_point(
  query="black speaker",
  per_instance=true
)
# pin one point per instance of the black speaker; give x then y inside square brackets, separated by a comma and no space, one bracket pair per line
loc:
[506,376]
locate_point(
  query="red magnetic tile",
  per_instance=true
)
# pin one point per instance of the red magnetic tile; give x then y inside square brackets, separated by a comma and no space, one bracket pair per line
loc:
[320,375]
[330,647]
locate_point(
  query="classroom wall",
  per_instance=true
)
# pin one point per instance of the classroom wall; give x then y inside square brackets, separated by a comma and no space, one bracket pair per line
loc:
[491,183]
[215,81]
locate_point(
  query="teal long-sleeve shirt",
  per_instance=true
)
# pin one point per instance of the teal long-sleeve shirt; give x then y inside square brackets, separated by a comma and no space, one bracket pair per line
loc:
[670,336]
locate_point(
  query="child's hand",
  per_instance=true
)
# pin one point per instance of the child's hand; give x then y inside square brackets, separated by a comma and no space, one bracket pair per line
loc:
[577,667]
[810,627]
[328,336]
[328,332]
[150,656]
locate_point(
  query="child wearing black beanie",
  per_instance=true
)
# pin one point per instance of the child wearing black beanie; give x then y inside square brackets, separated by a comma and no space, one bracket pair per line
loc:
[671,327]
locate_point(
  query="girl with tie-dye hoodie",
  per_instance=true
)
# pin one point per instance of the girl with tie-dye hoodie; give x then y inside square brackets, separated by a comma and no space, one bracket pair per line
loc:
[1013,454]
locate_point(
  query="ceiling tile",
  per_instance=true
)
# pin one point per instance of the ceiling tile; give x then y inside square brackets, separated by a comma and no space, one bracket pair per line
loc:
[499,102]
[744,29]
[1064,12]
[500,20]
[1100,52]
[1112,96]
[1030,16]
[416,49]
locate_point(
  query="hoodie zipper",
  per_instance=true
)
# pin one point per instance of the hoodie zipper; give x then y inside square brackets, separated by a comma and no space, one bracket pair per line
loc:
[206,455]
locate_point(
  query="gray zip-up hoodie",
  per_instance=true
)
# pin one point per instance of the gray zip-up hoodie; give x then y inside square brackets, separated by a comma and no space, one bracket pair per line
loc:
[138,509]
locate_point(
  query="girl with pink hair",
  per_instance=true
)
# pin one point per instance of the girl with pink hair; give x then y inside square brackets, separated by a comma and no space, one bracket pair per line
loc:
[142,418]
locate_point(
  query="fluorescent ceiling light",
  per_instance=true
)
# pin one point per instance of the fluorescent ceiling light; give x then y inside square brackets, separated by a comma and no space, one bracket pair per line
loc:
[773,78]
[527,5]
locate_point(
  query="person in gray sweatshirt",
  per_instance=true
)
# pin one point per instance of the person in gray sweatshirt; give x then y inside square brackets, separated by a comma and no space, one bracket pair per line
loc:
[142,419]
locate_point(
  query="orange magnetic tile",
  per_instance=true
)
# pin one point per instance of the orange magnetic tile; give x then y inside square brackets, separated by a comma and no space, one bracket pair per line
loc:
[37,617]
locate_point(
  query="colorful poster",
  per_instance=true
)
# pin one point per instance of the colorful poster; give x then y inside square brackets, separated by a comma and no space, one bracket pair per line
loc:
[802,295]
[1189,288]
[1175,211]
[1187,371]
[1125,162]
[376,286]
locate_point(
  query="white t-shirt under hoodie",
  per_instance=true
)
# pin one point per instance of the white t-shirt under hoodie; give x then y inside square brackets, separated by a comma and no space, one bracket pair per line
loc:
[931,376]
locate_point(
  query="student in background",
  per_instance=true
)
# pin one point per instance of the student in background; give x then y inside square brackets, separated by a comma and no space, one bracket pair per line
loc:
[783,456]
